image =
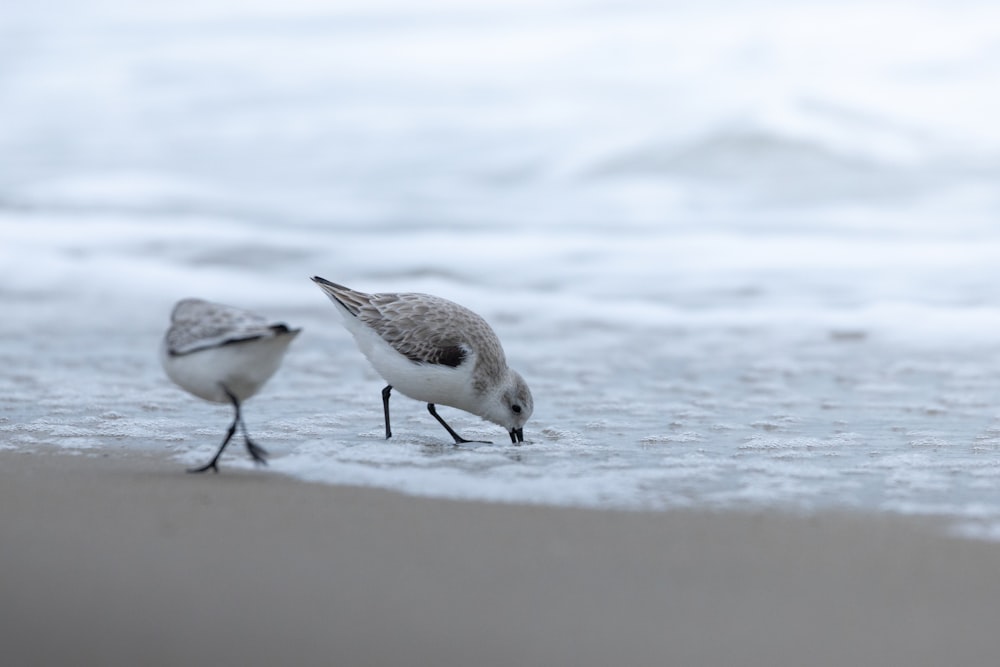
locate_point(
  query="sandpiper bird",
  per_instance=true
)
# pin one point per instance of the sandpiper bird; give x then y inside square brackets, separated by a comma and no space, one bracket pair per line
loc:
[435,351]
[224,355]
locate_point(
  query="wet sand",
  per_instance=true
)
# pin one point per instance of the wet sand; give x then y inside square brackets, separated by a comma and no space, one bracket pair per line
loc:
[123,559]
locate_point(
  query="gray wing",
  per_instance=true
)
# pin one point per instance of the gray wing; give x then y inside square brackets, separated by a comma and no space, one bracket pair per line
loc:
[426,329]
[198,325]
[423,328]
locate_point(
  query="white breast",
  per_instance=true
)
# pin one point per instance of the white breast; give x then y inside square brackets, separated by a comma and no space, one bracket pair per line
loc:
[430,383]
[242,368]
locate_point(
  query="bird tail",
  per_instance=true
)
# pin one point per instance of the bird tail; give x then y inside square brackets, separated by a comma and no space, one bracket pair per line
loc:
[350,300]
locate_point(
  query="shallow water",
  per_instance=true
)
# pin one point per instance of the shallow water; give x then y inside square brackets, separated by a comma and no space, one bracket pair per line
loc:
[742,261]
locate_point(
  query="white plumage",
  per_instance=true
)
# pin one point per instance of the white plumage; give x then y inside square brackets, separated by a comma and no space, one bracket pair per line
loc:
[224,355]
[436,351]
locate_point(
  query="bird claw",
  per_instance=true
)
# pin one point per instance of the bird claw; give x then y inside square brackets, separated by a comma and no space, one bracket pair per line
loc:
[213,465]
[257,453]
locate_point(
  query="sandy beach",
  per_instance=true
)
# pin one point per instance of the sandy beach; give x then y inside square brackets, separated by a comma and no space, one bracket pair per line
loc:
[119,559]
[746,257]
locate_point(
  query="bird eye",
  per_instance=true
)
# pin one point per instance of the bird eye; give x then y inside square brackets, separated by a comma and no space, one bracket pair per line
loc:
[516,408]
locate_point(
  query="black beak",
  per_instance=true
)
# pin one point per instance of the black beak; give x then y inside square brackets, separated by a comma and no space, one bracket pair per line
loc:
[517,435]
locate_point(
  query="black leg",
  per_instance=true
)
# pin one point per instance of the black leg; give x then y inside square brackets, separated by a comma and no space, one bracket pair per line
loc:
[213,464]
[385,408]
[458,439]
[257,453]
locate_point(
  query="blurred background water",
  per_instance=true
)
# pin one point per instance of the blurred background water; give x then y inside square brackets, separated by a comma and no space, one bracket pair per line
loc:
[745,255]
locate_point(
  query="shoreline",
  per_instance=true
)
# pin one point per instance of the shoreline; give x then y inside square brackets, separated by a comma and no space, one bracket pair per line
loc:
[123,558]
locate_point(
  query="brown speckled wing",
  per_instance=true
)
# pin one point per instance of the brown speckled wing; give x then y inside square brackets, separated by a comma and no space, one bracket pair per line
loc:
[423,328]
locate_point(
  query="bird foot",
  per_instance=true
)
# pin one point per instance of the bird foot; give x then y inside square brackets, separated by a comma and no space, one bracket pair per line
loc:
[211,465]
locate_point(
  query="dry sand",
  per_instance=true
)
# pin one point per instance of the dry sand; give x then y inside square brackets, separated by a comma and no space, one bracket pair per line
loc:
[127,560]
